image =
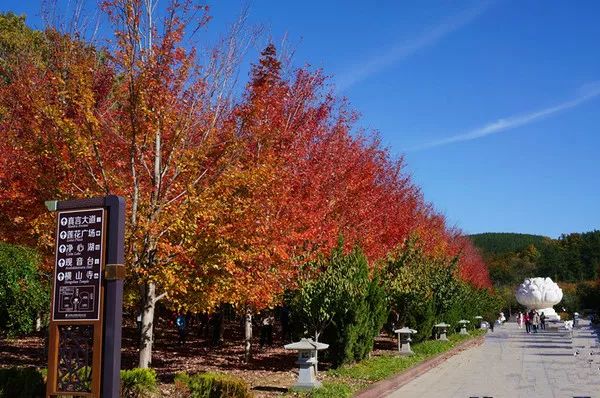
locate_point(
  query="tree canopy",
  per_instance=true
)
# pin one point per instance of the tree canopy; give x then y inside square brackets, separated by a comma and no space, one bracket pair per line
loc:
[227,196]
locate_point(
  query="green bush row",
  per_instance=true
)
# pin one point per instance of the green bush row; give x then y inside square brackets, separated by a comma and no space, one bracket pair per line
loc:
[135,383]
[424,290]
[347,303]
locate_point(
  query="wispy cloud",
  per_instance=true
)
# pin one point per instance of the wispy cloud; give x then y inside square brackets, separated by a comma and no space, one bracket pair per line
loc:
[406,48]
[586,93]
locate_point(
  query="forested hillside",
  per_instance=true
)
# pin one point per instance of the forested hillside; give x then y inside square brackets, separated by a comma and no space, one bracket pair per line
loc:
[512,257]
[506,242]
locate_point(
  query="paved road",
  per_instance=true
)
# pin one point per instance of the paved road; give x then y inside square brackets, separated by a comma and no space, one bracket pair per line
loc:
[514,364]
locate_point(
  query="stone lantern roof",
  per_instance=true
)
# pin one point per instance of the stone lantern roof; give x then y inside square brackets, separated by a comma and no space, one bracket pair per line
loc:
[306,344]
[405,330]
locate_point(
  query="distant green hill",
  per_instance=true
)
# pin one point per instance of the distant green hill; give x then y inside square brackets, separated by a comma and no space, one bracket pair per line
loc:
[506,242]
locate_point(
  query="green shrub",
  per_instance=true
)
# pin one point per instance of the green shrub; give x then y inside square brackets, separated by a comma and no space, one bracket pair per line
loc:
[213,385]
[21,383]
[424,289]
[352,333]
[21,294]
[419,314]
[421,288]
[344,306]
[138,383]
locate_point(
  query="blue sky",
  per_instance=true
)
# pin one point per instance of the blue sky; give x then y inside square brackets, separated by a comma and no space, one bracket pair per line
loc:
[495,105]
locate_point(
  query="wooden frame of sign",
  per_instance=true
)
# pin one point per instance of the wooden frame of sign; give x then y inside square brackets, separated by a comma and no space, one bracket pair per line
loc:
[84,353]
[77,300]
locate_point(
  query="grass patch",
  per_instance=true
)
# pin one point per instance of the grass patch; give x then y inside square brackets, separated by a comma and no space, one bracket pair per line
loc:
[331,389]
[348,379]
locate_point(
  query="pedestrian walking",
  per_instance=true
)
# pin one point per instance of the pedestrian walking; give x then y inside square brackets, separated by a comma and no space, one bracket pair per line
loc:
[286,331]
[536,321]
[520,320]
[527,321]
[543,321]
[501,318]
[181,323]
[266,331]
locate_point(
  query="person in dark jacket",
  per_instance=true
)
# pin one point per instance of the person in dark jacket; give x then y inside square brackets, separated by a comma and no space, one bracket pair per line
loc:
[543,321]
[181,323]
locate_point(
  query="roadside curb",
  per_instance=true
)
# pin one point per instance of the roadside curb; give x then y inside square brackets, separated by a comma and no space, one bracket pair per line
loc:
[387,386]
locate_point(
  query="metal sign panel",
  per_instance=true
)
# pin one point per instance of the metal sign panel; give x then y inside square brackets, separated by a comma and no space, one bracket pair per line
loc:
[78,266]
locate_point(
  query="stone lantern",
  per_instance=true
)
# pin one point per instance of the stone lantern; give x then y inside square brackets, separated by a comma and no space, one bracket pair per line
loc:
[307,362]
[441,330]
[404,340]
[463,326]
[479,319]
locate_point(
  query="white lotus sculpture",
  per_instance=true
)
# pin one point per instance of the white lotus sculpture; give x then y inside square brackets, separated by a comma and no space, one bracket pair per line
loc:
[540,294]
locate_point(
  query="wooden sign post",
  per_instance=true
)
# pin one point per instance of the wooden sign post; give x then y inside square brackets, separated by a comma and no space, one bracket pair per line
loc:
[84,353]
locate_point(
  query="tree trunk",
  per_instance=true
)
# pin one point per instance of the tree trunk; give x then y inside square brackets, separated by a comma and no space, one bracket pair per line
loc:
[248,336]
[316,353]
[146,338]
[217,328]
[38,322]
[221,326]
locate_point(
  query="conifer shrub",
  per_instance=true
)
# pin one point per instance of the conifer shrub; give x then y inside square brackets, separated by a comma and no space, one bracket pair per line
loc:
[344,306]
[419,314]
[211,385]
[352,333]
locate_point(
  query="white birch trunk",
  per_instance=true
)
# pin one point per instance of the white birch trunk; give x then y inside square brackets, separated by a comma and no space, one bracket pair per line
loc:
[316,354]
[38,322]
[149,304]
[248,336]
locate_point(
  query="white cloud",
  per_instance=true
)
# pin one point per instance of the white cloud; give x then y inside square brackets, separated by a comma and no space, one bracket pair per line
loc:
[587,92]
[406,48]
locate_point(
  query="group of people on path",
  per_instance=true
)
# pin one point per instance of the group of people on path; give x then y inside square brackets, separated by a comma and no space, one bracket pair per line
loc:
[533,321]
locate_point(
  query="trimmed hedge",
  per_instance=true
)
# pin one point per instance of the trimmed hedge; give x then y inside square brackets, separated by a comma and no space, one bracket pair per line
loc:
[21,383]
[212,385]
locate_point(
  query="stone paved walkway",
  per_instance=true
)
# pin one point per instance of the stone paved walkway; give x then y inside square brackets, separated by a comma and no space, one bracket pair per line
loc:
[514,364]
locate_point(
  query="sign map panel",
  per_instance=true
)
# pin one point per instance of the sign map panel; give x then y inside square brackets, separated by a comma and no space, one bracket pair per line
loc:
[78,266]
